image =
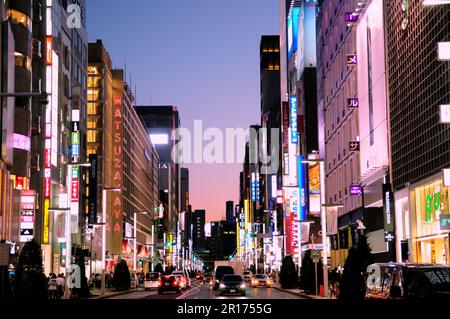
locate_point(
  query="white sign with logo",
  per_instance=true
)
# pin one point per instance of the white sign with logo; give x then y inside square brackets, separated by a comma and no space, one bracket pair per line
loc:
[128,230]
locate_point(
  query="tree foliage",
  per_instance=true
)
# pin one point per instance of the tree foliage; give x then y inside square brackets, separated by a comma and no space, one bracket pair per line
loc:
[122,278]
[308,274]
[288,274]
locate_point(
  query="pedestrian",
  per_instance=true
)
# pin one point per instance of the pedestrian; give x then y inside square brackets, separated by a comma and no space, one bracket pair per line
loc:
[61,285]
[109,281]
[53,287]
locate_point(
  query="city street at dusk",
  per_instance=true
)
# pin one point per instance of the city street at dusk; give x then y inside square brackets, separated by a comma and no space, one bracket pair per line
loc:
[260,156]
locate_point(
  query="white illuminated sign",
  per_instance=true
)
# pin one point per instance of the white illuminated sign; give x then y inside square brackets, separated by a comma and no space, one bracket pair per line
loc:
[21,142]
[446,173]
[444,111]
[443,51]
[159,139]
[128,230]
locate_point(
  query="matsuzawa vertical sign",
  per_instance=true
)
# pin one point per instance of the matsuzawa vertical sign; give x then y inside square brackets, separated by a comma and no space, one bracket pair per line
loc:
[92,200]
[388,213]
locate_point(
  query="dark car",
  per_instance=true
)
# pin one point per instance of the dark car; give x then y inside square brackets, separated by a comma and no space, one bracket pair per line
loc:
[408,281]
[219,273]
[168,283]
[232,284]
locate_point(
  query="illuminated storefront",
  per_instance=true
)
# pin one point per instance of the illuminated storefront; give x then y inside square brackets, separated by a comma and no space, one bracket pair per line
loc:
[429,222]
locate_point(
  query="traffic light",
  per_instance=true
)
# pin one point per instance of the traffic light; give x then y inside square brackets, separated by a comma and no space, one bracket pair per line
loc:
[141,262]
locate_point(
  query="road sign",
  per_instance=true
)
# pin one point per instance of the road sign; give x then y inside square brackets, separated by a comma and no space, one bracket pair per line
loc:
[315,255]
[4,254]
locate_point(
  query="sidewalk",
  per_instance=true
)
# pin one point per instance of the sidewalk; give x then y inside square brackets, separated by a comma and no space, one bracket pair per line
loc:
[299,292]
[96,293]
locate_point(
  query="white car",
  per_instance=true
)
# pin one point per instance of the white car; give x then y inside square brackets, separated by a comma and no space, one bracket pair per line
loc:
[134,281]
[182,281]
[185,275]
[151,280]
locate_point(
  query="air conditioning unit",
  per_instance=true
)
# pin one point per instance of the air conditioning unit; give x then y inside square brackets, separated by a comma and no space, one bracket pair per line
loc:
[36,125]
[37,49]
[35,162]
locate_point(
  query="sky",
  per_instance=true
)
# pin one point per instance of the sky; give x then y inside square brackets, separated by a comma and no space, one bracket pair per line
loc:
[201,56]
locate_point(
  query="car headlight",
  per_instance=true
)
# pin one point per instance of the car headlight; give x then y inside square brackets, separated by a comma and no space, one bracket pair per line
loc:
[243,286]
[217,281]
[222,286]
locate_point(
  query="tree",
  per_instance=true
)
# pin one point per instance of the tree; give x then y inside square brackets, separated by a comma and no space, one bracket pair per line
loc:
[288,274]
[30,282]
[308,274]
[353,283]
[121,278]
[159,268]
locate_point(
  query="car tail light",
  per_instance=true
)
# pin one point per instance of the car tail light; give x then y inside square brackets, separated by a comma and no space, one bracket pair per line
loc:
[159,283]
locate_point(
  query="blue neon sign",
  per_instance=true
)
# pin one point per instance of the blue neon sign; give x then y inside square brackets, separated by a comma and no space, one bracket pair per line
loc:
[302,187]
[294,124]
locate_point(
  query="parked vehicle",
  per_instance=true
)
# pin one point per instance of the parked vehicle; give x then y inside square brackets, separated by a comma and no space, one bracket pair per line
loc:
[232,284]
[134,281]
[395,280]
[248,277]
[262,280]
[219,273]
[151,280]
[168,283]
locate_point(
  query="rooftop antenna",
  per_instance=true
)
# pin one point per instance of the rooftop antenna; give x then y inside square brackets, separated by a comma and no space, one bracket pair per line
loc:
[125,70]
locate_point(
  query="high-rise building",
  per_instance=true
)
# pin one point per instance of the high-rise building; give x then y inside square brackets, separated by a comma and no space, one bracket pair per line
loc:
[198,235]
[418,83]
[229,212]
[161,122]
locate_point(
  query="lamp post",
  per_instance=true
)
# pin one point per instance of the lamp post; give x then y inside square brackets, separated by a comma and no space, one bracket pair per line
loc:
[135,239]
[105,190]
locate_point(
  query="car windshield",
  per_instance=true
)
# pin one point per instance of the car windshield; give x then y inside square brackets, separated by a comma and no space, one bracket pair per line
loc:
[224,270]
[260,276]
[153,276]
[232,278]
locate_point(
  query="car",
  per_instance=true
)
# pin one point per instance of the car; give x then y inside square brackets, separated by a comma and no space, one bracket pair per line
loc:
[407,281]
[168,283]
[185,275]
[181,281]
[247,277]
[261,280]
[219,273]
[199,276]
[232,284]
[151,280]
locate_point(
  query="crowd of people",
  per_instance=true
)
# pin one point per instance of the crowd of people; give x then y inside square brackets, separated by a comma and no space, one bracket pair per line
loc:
[56,286]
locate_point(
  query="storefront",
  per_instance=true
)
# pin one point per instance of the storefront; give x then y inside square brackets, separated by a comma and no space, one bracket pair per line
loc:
[430,222]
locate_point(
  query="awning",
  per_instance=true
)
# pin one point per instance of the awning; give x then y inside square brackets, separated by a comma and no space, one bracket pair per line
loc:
[126,247]
[344,221]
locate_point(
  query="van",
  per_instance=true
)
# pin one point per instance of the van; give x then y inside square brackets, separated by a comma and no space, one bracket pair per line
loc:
[219,273]
[397,280]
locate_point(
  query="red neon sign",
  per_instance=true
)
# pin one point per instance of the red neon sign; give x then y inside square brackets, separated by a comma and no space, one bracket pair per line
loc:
[47,183]
[74,192]
[49,49]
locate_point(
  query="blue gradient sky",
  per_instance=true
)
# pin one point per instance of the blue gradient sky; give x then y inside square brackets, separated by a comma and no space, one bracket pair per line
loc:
[199,55]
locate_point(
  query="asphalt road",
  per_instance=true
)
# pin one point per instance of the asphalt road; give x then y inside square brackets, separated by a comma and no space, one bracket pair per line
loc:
[200,291]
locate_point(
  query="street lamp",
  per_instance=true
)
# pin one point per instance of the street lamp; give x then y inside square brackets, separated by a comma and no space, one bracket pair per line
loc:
[135,238]
[104,233]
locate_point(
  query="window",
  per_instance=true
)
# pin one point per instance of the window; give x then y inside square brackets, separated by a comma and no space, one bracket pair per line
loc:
[22,61]
[92,136]
[18,17]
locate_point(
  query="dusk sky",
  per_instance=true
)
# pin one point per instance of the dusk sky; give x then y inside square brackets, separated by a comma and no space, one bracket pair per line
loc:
[201,56]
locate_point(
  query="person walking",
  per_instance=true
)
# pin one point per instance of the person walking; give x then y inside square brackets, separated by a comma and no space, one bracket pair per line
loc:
[53,287]
[61,285]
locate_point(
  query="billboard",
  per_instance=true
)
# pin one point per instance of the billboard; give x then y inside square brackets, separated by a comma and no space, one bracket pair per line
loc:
[314,189]
[372,90]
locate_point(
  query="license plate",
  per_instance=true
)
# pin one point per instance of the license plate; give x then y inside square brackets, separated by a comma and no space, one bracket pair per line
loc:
[167,284]
[232,290]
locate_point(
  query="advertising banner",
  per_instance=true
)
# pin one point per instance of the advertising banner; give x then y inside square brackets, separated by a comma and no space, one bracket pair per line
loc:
[93,180]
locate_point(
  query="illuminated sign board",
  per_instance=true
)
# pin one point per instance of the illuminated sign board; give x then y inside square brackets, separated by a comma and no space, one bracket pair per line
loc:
[159,139]
[388,212]
[27,215]
[314,189]
[443,51]
[302,188]
[21,183]
[128,230]
[27,199]
[352,59]
[444,221]
[257,187]
[74,192]
[92,200]
[45,239]
[352,102]
[293,108]
[351,17]
[444,111]
[76,138]
[292,24]
[446,177]
[353,146]
[253,187]
[285,111]
[21,142]
[49,50]
[274,187]
[355,190]
[47,187]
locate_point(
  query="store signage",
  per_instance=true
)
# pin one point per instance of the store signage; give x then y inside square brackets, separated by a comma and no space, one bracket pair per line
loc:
[444,221]
[45,237]
[443,51]
[27,215]
[444,111]
[446,177]
[351,17]
[302,187]
[47,158]
[355,190]
[21,142]
[47,187]
[293,108]
[354,146]
[352,102]
[285,111]
[27,199]
[253,187]
[388,212]
[74,192]
[352,59]
[93,179]
[257,188]
[21,183]
[49,50]
[128,230]
[274,186]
